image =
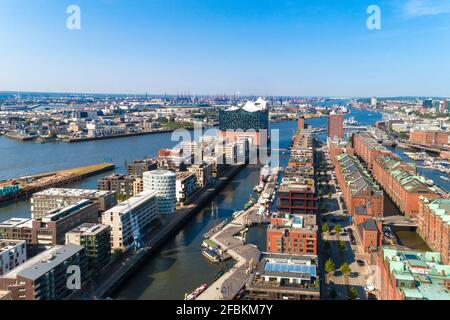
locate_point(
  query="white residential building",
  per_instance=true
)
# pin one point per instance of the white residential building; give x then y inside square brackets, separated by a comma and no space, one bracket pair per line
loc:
[131,218]
[186,185]
[12,254]
[163,182]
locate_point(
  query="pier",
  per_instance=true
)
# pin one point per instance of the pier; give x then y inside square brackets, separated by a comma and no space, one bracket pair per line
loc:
[35,183]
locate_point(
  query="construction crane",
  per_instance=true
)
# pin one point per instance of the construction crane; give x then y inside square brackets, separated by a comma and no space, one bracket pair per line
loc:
[138,243]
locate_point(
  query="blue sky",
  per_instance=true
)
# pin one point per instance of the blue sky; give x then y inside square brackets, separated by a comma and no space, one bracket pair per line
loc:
[260,47]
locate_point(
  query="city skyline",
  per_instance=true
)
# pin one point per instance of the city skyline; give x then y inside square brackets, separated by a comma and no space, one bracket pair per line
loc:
[282,48]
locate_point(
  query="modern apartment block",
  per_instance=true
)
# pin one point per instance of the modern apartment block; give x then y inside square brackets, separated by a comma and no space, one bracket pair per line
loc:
[163,182]
[285,277]
[50,230]
[186,185]
[131,218]
[203,173]
[229,149]
[45,276]
[297,195]
[413,275]
[434,225]
[122,185]
[217,162]
[16,229]
[96,238]
[56,198]
[290,234]
[137,168]
[12,254]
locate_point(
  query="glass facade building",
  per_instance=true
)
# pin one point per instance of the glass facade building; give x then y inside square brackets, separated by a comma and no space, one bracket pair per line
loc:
[243,120]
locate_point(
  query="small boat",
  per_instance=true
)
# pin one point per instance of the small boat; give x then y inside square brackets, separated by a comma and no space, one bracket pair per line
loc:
[211,255]
[445,178]
[237,214]
[194,294]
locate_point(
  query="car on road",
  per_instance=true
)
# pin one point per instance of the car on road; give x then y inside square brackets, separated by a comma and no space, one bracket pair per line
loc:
[361,263]
[369,288]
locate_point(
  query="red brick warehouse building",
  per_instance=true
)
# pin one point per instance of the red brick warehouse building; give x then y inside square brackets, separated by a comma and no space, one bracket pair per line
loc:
[363,197]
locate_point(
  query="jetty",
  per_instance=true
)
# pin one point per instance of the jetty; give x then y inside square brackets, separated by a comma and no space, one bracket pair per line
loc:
[23,188]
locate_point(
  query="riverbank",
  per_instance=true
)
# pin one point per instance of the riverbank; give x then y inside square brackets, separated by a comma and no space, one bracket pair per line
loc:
[23,188]
[122,269]
[116,136]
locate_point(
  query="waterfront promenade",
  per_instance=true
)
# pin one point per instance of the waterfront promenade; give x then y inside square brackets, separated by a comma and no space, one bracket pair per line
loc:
[122,267]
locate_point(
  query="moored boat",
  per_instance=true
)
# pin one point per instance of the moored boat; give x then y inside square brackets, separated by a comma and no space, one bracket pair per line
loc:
[194,294]
[211,255]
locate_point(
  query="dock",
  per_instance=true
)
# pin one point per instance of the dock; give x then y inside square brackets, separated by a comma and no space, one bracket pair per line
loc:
[35,183]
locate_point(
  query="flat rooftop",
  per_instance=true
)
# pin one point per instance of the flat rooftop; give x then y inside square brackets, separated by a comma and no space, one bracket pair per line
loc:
[57,214]
[89,229]
[16,223]
[422,269]
[133,202]
[44,262]
[6,245]
[288,266]
[62,192]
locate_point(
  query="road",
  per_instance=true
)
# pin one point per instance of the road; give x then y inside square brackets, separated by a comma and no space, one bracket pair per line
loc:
[333,213]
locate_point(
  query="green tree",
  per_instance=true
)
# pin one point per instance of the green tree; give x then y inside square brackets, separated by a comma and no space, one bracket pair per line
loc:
[352,293]
[345,270]
[332,294]
[341,245]
[325,228]
[337,228]
[329,267]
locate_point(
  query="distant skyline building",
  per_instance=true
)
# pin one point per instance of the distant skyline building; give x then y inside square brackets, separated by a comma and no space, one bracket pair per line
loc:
[163,182]
[245,121]
[336,126]
[301,122]
[374,101]
[427,103]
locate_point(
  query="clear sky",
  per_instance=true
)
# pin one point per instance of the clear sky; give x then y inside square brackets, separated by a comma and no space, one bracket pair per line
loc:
[260,47]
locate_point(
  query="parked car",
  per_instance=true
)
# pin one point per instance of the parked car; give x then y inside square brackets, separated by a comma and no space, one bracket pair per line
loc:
[369,288]
[361,263]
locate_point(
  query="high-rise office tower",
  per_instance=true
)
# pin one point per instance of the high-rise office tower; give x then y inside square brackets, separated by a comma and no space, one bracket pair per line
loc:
[336,126]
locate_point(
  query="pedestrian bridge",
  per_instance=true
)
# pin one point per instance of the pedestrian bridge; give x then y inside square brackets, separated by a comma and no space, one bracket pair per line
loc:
[400,221]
